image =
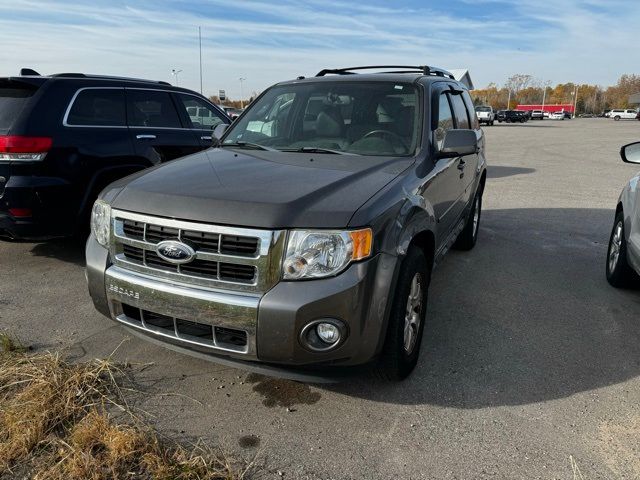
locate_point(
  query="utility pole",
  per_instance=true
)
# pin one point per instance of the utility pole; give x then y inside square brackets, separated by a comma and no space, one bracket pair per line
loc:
[575,101]
[200,43]
[241,92]
[509,100]
[544,94]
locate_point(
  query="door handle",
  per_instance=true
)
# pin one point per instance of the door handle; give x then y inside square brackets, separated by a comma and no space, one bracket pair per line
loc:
[461,165]
[145,137]
[206,137]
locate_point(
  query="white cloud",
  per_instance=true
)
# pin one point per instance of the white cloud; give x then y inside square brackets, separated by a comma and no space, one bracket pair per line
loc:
[570,40]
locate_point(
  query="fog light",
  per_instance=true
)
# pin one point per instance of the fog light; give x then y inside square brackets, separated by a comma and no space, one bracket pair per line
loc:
[324,334]
[328,333]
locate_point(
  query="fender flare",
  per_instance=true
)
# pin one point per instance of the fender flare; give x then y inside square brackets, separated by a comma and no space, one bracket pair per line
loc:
[103,174]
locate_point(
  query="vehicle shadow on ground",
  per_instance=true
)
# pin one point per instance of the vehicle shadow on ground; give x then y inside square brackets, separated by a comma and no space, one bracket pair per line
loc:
[69,250]
[527,316]
[497,171]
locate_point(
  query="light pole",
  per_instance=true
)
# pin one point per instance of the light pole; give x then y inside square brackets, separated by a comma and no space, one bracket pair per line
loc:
[575,101]
[544,95]
[241,92]
[175,73]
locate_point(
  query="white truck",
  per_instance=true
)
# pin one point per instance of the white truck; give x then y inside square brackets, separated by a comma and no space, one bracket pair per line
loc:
[486,115]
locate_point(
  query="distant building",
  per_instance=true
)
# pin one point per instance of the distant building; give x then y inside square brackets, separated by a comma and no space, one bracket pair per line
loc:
[463,76]
[558,107]
[634,99]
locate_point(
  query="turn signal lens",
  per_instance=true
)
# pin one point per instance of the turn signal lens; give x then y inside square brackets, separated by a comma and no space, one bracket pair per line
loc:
[362,241]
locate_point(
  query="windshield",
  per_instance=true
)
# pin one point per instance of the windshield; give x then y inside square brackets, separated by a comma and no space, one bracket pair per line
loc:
[365,118]
[483,109]
[12,100]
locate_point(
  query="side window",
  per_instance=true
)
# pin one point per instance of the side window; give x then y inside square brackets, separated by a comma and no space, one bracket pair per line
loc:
[98,107]
[445,119]
[462,118]
[201,114]
[148,108]
[475,124]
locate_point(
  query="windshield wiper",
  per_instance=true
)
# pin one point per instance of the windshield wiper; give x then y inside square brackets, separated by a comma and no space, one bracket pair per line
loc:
[255,146]
[315,150]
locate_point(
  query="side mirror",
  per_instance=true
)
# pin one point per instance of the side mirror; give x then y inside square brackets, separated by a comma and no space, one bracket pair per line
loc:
[631,153]
[217,133]
[458,143]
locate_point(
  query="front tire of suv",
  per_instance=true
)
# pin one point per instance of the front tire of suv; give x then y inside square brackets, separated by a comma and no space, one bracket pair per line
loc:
[407,318]
[619,273]
[469,235]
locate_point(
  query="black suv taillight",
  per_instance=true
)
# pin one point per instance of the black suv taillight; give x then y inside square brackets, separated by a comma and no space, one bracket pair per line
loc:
[16,148]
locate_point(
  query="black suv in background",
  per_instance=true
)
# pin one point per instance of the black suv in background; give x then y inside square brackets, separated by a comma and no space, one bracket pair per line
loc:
[65,137]
[510,116]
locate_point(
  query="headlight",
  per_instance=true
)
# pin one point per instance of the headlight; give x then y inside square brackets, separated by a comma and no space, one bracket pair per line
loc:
[318,254]
[101,222]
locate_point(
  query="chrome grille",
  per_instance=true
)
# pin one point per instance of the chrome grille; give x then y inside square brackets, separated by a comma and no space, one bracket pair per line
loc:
[226,257]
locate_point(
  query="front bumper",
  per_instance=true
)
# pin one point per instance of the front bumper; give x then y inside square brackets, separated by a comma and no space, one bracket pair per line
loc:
[271,322]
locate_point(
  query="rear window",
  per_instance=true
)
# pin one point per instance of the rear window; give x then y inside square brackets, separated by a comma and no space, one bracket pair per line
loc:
[483,109]
[12,101]
[98,107]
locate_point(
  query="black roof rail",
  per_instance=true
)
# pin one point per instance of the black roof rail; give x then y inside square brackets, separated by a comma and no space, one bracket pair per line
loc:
[424,69]
[28,72]
[108,77]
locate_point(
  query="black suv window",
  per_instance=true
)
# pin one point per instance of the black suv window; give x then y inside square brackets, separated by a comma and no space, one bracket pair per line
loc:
[201,114]
[98,107]
[462,118]
[148,108]
[445,119]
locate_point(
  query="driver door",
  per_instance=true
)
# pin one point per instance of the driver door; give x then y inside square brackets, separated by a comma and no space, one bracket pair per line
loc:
[446,189]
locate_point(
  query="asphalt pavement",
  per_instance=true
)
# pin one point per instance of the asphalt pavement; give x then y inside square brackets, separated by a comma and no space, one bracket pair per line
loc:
[530,365]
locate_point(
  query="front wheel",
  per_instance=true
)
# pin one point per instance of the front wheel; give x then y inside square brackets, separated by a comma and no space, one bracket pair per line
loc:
[407,318]
[619,273]
[469,235]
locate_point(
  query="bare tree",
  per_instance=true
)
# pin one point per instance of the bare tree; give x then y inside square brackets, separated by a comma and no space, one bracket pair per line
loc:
[515,83]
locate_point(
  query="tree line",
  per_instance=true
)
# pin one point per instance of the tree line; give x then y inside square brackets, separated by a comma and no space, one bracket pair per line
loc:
[523,89]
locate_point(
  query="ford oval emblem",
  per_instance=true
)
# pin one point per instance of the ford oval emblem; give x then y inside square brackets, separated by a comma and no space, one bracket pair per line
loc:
[176,252]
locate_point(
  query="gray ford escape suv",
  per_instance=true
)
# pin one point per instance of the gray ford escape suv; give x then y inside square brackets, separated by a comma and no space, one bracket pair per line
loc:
[306,236]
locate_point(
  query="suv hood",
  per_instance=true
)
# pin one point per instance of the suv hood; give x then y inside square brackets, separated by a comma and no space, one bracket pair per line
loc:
[261,189]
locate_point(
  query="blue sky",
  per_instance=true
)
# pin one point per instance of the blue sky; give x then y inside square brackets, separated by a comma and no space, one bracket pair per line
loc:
[592,41]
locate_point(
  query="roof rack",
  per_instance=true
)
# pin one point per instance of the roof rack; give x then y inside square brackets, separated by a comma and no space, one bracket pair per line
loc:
[107,77]
[424,69]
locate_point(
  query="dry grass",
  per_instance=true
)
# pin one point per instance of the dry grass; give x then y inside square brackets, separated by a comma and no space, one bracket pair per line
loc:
[55,425]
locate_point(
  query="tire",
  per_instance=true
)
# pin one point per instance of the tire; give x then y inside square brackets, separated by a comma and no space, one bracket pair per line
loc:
[617,118]
[619,272]
[491,122]
[469,235]
[407,318]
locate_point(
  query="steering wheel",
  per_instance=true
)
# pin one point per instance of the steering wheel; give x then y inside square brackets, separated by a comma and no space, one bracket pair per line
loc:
[389,134]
